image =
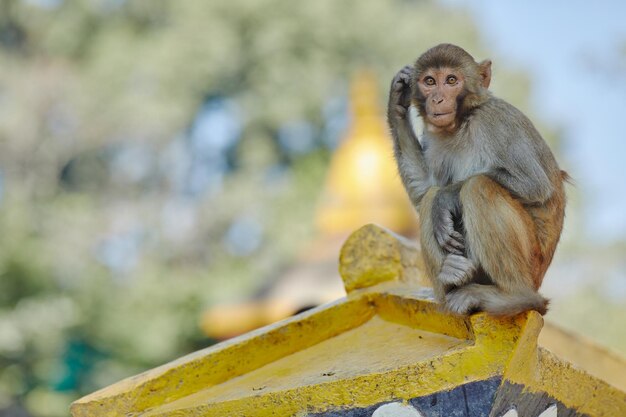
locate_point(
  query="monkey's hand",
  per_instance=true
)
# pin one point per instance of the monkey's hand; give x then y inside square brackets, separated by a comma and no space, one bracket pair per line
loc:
[400,94]
[445,207]
[448,239]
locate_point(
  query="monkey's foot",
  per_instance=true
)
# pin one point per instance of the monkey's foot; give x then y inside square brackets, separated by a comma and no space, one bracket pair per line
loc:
[463,301]
[456,271]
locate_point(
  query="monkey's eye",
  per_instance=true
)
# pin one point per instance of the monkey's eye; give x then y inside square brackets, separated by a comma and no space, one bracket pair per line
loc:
[429,81]
[451,79]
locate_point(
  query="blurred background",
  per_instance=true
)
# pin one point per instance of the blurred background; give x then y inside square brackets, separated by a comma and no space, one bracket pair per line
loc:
[173,173]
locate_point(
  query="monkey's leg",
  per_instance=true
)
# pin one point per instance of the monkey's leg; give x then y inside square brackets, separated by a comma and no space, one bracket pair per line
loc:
[444,270]
[433,255]
[500,237]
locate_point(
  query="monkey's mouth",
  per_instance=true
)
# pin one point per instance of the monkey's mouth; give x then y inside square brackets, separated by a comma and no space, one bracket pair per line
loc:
[441,114]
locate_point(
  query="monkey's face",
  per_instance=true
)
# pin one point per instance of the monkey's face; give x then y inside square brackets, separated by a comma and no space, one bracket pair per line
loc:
[440,89]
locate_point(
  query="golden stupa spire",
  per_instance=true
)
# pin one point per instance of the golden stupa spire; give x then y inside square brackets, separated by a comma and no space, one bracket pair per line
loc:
[363,185]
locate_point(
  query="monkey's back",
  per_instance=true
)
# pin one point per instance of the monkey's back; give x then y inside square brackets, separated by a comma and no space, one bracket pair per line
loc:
[508,129]
[514,134]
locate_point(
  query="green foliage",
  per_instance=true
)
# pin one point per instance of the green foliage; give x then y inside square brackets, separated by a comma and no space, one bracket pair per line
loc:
[105,271]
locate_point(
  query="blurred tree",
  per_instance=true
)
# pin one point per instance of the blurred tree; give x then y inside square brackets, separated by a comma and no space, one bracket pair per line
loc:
[157,156]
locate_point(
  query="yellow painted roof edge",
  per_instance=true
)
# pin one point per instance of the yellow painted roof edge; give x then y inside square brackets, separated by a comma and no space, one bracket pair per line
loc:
[585,354]
[221,362]
[484,359]
[501,346]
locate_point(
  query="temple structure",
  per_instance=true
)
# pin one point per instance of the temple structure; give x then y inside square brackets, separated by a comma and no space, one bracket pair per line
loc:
[363,185]
[384,350]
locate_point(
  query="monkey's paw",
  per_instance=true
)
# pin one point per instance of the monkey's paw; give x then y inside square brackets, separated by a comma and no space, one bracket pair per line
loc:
[462,302]
[400,95]
[456,271]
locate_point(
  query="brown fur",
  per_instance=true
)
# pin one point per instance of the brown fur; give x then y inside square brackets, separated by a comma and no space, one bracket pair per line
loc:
[491,167]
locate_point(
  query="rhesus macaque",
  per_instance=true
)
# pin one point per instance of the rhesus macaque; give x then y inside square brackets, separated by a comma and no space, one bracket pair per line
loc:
[487,188]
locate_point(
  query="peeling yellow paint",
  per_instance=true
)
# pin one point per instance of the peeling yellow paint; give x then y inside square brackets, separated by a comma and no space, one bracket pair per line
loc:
[224,361]
[356,368]
[386,341]
[584,354]
[573,387]
[356,353]
[373,255]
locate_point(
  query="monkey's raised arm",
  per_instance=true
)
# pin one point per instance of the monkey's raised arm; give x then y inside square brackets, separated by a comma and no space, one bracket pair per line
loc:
[407,149]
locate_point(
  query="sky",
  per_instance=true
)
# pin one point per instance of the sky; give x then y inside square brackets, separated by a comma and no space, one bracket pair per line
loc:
[571,50]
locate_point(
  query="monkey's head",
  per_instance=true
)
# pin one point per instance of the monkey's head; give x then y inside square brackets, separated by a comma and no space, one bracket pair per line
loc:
[447,84]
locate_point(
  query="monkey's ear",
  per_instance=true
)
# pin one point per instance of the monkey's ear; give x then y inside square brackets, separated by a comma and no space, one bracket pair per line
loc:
[484,69]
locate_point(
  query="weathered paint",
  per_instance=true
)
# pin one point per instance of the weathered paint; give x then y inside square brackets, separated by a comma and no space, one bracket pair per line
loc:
[373,255]
[349,358]
[584,354]
[357,368]
[224,361]
[474,399]
[396,410]
[385,342]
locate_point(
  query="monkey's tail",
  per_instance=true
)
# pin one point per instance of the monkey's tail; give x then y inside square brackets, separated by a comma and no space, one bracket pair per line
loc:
[567,178]
[504,304]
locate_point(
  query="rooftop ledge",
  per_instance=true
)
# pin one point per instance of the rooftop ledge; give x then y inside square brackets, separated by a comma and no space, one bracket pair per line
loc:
[386,344]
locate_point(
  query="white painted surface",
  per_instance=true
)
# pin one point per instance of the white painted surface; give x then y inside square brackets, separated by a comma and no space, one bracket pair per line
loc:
[550,412]
[396,410]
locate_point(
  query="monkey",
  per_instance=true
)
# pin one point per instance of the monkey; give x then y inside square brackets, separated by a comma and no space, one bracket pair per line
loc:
[487,188]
